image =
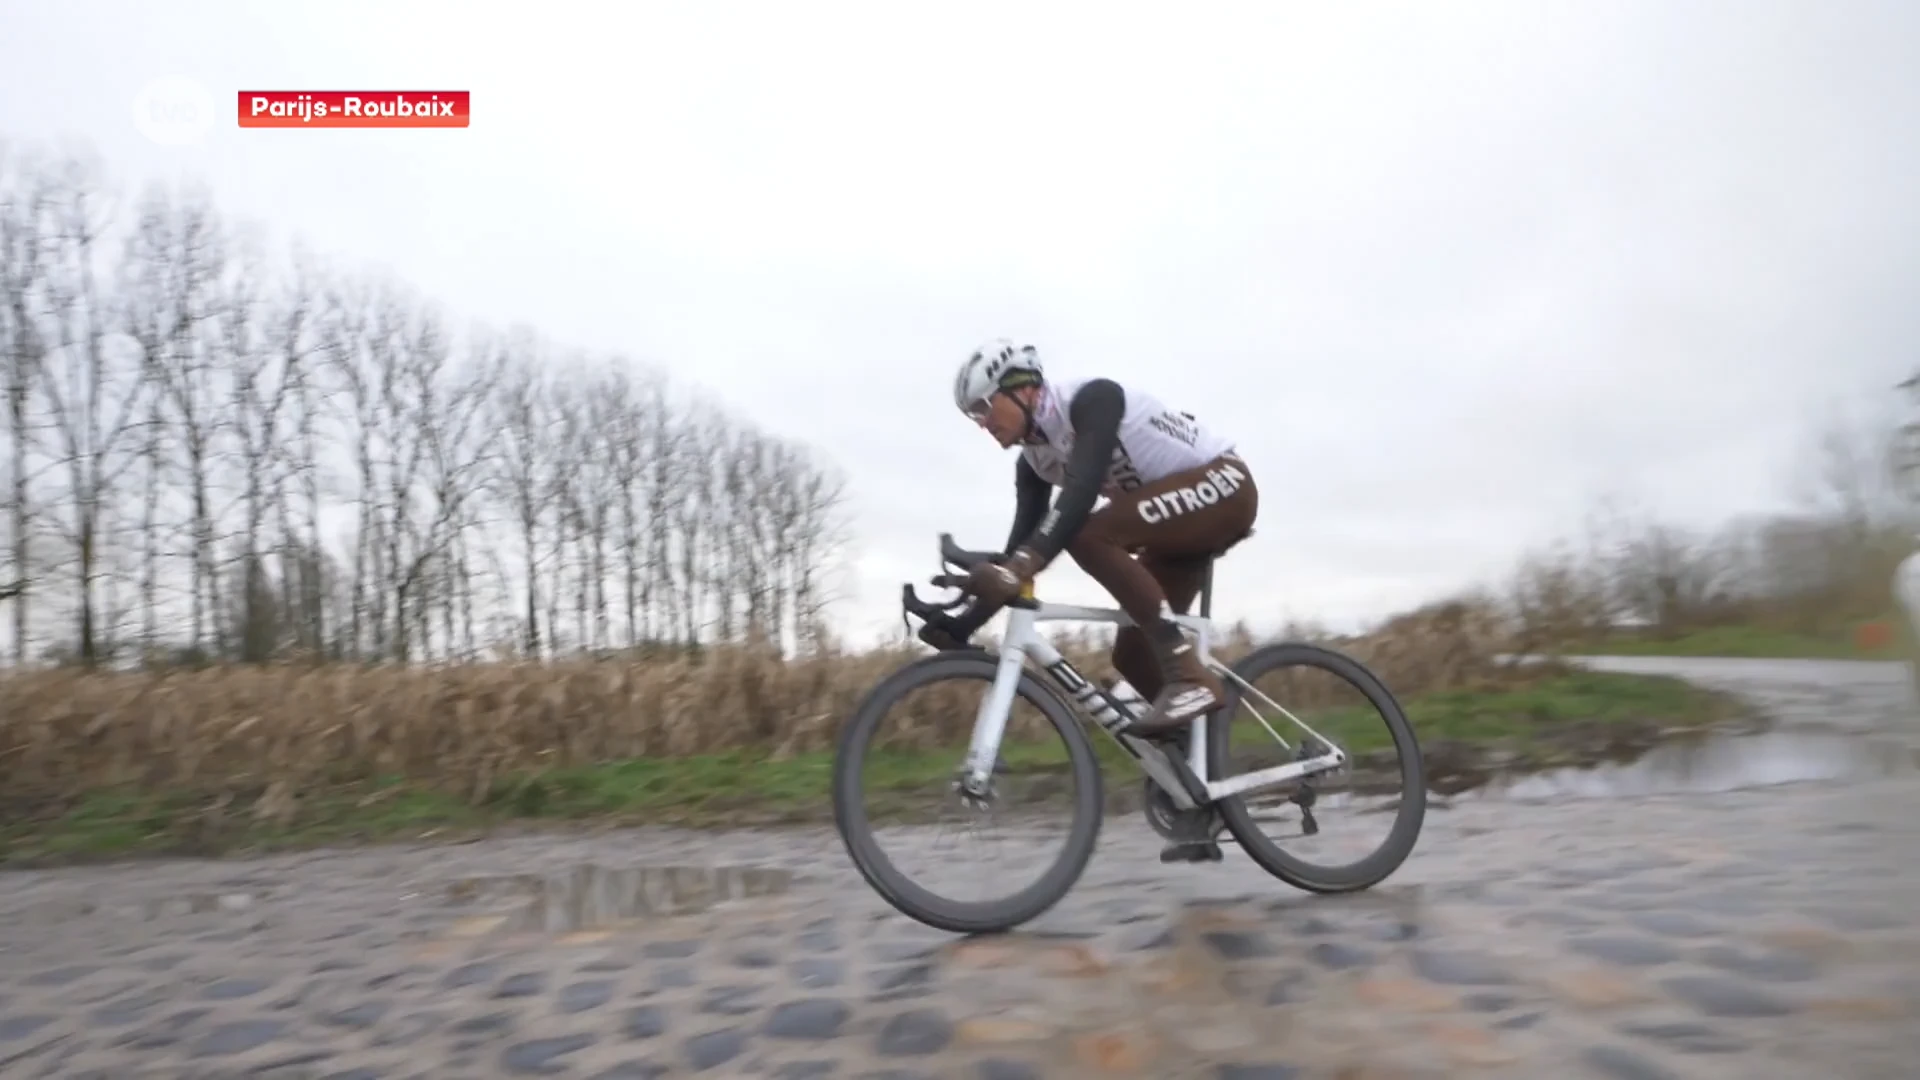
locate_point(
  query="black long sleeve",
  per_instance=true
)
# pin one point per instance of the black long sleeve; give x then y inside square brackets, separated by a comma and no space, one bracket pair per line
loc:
[1030,495]
[1095,413]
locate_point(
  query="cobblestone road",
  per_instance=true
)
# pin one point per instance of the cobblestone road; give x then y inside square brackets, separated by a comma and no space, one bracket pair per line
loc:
[1754,933]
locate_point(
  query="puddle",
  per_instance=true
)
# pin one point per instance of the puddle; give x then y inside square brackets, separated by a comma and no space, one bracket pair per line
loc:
[1716,764]
[591,896]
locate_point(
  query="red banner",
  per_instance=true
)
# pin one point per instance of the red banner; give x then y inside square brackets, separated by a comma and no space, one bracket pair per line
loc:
[354,108]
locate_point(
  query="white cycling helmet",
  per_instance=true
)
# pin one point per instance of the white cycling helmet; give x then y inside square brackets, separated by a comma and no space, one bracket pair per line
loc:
[997,365]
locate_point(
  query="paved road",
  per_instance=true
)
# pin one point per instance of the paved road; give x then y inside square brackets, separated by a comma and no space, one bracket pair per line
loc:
[1742,934]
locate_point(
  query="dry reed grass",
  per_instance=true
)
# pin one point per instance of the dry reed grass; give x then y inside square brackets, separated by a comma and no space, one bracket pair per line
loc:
[275,732]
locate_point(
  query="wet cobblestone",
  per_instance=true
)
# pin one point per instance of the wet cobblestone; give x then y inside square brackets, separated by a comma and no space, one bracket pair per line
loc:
[1753,932]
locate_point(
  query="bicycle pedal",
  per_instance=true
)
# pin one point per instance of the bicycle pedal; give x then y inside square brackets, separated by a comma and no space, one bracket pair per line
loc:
[1194,851]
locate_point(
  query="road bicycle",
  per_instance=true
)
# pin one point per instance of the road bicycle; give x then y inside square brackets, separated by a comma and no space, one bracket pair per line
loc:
[1189,800]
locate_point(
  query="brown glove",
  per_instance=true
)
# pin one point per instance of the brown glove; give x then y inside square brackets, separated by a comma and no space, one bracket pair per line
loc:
[998,583]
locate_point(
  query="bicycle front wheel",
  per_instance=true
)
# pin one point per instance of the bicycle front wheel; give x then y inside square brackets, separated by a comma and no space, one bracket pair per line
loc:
[1047,748]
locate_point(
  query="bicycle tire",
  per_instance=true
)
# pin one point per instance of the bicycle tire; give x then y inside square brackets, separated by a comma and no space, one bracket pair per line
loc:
[1408,818]
[907,896]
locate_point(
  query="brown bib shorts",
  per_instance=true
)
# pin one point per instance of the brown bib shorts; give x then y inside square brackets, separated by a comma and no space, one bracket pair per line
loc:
[1174,525]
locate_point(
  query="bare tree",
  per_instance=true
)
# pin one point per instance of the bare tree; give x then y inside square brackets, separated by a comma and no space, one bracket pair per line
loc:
[519,468]
[1855,484]
[170,275]
[1668,578]
[453,430]
[807,510]
[412,414]
[672,443]
[574,457]
[1558,600]
[598,423]
[97,397]
[155,455]
[223,457]
[267,344]
[306,331]
[26,192]
[407,411]
[632,414]
[698,517]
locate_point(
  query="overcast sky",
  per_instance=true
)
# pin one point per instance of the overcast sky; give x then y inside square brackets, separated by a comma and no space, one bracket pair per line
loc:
[1447,272]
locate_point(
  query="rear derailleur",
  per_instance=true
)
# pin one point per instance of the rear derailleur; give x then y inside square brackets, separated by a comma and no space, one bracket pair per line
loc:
[1304,796]
[1194,835]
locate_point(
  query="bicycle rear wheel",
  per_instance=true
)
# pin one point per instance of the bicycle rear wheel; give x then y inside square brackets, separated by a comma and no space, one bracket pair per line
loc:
[909,896]
[1409,812]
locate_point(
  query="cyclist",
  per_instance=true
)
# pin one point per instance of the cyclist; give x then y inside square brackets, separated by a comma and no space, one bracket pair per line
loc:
[1177,493]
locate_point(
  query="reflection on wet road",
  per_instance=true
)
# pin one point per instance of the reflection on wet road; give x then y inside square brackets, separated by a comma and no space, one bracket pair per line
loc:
[1725,909]
[1720,763]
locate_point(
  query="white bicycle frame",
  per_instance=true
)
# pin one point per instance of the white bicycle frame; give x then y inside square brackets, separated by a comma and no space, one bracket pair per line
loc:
[1024,641]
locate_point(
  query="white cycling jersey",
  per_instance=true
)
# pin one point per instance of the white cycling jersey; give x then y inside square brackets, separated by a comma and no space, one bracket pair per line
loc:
[1155,441]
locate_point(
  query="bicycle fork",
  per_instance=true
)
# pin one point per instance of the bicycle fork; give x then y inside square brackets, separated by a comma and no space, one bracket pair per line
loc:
[990,723]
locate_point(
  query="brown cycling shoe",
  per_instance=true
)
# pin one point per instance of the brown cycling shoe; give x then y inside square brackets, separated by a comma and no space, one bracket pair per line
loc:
[1188,692]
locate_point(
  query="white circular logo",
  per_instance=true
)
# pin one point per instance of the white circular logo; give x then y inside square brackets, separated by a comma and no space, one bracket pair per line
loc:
[174,111]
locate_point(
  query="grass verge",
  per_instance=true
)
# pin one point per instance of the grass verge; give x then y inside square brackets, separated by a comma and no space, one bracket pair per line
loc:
[1556,718]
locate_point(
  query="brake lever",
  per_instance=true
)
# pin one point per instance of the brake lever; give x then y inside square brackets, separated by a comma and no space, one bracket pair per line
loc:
[911,602]
[910,606]
[955,557]
[938,616]
[952,605]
